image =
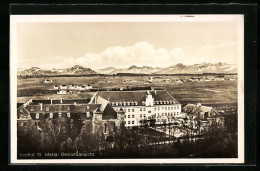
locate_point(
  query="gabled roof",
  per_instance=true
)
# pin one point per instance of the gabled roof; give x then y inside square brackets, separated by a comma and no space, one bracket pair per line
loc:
[136,96]
[107,110]
[87,95]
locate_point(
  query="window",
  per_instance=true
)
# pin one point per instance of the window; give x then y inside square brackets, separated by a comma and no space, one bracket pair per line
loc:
[133,122]
[171,108]
[149,111]
[105,128]
[88,114]
[51,115]
[177,107]
[144,115]
[168,108]
[128,122]
[141,109]
[68,114]
[165,108]
[158,108]
[37,115]
[162,114]
[129,116]
[174,107]
[140,115]
[162,108]
[155,108]
[133,110]
[144,109]
[128,110]
[133,116]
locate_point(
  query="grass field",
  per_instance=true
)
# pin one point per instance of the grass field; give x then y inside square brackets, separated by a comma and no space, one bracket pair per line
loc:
[189,92]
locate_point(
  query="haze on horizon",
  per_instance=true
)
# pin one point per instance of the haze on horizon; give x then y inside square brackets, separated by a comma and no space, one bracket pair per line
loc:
[122,44]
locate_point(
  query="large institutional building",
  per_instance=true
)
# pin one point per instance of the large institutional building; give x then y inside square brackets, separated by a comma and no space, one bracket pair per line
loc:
[71,107]
[139,107]
[142,106]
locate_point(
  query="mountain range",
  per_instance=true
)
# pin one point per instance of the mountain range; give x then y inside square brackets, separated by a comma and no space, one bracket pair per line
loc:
[174,69]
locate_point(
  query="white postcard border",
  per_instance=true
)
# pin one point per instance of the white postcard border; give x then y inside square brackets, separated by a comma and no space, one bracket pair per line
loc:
[15,19]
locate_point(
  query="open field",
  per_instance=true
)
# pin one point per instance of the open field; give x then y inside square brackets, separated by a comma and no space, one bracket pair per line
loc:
[190,92]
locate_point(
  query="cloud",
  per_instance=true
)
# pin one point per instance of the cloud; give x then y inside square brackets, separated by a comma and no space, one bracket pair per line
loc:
[140,54]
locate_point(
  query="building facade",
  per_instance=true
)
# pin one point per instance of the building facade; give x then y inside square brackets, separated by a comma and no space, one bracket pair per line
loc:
[140,107]
[101,114]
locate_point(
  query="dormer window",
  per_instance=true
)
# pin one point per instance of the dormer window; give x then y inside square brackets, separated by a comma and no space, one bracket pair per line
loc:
[124,103]
[32,109]
[68,115]
[47,109]
[21,110]
[68,108]
[128,103]
[87,114]
[37,116]
[51,115]
[116,103]
[136,103]
[87,107]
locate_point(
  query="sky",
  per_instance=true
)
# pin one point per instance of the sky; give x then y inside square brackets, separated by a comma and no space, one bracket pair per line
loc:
[121,44]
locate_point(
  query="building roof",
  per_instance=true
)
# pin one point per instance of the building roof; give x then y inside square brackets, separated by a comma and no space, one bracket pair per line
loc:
[87,95]
[68,106]
[192,108]
[136,96]
[106,108]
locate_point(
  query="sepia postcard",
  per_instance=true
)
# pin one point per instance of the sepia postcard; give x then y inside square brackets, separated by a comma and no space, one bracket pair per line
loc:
[154,89]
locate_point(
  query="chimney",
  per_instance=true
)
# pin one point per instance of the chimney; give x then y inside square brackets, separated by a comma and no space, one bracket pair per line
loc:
[155,92]
[40,106]
[95,100]
[51,100]
[61,100]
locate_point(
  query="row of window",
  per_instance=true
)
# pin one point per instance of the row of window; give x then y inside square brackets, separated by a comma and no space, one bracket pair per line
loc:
[51,115]
[156,108]
[129,122]
[164,120]
[136,103]
[47,109]
[167,114]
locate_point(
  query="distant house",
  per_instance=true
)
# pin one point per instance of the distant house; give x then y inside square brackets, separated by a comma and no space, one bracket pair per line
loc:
[167,80]
[179,81]
[204,113]
[47,81]
[55,87]
[62,92]
[82,87]
[88,87]
[63,87]
[73,87]
[150,80]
